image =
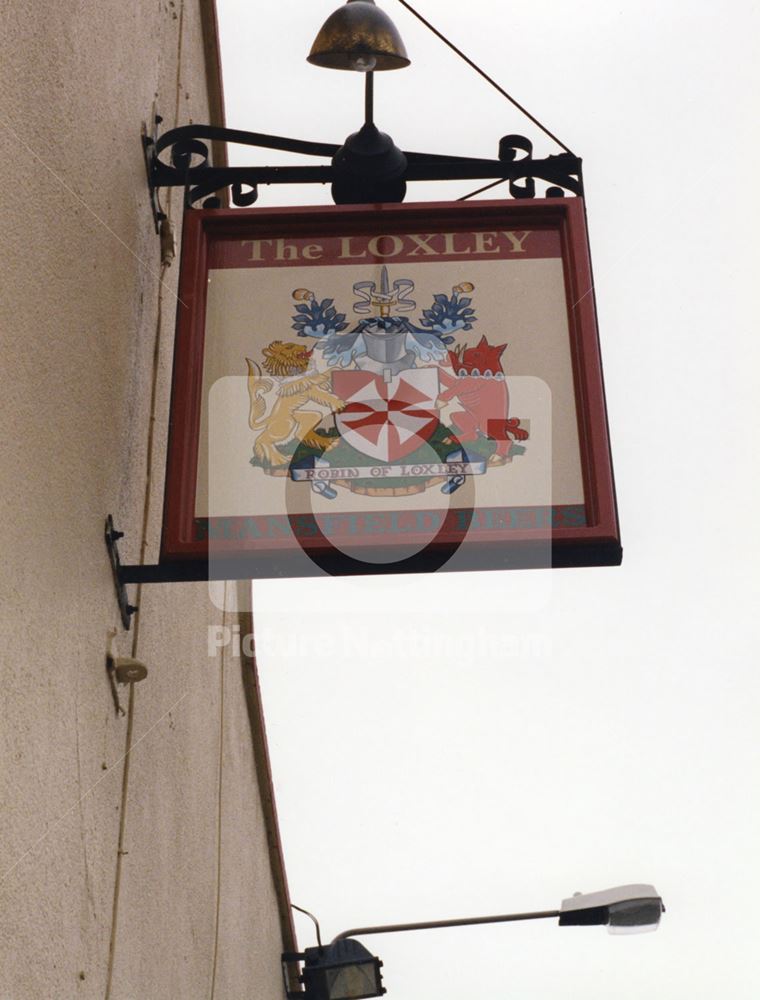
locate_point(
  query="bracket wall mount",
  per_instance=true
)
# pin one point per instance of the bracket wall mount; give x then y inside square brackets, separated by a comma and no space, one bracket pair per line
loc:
[188,165]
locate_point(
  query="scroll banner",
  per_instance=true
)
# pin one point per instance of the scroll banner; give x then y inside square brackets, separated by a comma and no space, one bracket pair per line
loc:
[325,472]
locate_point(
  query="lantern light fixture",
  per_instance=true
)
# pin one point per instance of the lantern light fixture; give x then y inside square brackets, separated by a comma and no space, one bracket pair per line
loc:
[344,970]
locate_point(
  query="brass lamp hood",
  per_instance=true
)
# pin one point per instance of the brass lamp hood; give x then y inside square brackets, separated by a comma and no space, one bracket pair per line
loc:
[359,36]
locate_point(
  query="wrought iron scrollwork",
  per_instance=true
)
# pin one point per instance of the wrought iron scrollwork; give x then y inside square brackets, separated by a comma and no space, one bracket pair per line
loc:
[189,165]
[562,172]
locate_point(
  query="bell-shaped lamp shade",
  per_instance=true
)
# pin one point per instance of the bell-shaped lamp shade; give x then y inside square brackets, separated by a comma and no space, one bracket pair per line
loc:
[359,36]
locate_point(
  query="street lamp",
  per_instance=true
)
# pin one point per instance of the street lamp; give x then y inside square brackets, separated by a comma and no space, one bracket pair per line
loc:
[345,970]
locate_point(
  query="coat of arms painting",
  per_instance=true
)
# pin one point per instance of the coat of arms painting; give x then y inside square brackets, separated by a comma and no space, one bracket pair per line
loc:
[381,379]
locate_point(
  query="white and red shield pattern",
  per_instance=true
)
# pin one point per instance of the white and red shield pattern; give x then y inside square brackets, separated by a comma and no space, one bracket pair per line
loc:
[387,420]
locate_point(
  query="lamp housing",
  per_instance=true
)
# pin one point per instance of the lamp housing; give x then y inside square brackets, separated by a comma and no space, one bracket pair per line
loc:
[626,909]
[359,36]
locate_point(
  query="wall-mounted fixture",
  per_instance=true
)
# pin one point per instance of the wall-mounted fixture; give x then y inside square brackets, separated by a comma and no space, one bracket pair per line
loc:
[345,970]
[368,167]
[369,171]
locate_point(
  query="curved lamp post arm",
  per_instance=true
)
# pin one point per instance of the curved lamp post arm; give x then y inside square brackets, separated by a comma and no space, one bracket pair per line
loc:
[345,970]
[427,925]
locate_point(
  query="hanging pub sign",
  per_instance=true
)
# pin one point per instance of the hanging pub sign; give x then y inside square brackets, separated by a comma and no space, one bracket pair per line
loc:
[388,388]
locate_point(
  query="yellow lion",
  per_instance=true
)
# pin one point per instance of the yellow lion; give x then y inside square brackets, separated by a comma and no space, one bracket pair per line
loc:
[287,421]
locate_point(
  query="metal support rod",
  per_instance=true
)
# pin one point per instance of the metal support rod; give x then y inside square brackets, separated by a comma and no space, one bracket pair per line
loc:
[485,75]
[369,98]
[432,924]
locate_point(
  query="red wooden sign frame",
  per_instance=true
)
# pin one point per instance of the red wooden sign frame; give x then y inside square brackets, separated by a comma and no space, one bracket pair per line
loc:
[192,543]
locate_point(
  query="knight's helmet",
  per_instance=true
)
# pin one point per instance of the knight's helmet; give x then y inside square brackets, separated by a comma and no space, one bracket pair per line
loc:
[385,335]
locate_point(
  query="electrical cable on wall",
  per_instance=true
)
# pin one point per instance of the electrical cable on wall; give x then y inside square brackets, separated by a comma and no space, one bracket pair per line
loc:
[165,263]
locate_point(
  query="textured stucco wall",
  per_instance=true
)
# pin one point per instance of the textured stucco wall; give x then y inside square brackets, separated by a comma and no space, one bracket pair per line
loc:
[79,301]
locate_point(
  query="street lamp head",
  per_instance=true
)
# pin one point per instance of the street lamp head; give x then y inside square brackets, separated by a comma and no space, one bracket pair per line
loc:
[359,36]
[627,909]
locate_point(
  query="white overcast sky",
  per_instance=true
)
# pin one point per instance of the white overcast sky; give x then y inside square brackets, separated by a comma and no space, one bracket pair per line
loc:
[567,730]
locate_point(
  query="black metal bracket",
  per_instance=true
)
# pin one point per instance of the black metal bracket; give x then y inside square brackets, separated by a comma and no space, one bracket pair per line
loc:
[525,555]
[189,166]
[112,537]
[291,974]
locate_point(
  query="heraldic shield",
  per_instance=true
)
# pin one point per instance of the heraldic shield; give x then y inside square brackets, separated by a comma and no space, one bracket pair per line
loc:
[387,420]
